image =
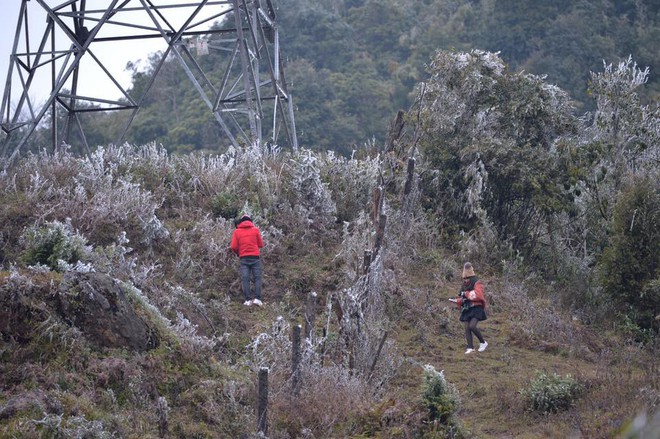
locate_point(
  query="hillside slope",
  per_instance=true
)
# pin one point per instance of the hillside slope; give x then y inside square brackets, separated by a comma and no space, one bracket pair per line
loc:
[131,234]
[48,381]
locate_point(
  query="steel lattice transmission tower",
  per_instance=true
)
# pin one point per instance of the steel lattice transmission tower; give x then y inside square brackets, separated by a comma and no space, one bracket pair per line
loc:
[249,96]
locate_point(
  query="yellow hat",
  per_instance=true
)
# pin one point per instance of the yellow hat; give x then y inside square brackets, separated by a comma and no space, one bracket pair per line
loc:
[468,270]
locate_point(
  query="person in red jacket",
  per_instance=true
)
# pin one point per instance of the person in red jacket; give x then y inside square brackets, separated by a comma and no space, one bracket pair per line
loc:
[473,304]
[245,243]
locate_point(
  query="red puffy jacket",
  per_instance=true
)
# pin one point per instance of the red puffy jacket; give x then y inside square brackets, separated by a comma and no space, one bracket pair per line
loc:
[475,296]
[246,240]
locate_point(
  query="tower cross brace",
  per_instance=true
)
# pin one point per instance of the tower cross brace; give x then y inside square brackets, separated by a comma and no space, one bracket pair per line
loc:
[72,31]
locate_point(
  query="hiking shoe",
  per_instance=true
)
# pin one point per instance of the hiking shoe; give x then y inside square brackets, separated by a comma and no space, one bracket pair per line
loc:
[247,303]
[469,351]
[257,302]
[483,346]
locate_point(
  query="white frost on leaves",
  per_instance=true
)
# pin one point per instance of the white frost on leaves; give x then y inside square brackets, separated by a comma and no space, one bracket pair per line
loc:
[311,192]
[187,332]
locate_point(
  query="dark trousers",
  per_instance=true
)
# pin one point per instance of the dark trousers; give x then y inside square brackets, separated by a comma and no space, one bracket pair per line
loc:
[251,267]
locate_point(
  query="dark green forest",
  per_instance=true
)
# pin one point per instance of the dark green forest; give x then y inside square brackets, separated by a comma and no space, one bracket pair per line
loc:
[351,65]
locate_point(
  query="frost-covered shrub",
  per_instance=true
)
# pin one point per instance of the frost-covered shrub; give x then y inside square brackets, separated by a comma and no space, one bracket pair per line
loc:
[351,182]
[203,249]
[39,175]
[272,348]
[356,238]
[479,123]
[221,184]
[106,202]
[330,399]
[226,205]
[414,234]
[55,245]
[329,395]
[482,245]
[113,259]
[202,174]
[550,393]
[365,324]
[628,267]
[191,343]
[311,193]
[74,427]
[96,192]
[148,165]
[624,129]
[439,396]
[250,171]
[537,322]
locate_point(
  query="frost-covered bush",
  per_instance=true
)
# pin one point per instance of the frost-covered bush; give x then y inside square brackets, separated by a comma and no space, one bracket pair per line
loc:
[351,182]
[223,184]
[365,324]
[312,195]
[356,239]
[114,259]
[105,201]
[226,204]
[251,172]
[202,174]
[439,396]
[96,192]
[39,176]
[149,165]
[412,234]
[329,395]
[179,330]
[482,245]
[272,348]
[622,127]
[537,321]
[628,269]
[479,124]
[331,399]
[550,393]
[191,343]
[203,249]
[74,427]
[55,245]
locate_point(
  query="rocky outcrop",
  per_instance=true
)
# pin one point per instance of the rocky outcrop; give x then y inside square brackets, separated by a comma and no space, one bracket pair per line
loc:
[98,305]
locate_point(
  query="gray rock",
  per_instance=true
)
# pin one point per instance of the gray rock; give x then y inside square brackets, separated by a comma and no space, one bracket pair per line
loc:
[98,305]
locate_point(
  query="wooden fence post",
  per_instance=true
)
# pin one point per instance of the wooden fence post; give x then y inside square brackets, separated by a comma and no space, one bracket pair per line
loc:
[295,360]
[377,201]
[310,315]
[162,409]
[410,176]
[380,348]
[262,408]
[380,233]
[366,262]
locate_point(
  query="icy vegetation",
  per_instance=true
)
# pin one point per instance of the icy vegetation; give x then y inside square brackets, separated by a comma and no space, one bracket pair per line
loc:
[560,212]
